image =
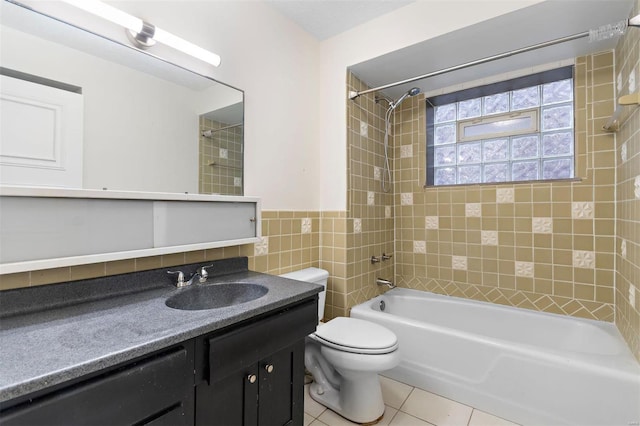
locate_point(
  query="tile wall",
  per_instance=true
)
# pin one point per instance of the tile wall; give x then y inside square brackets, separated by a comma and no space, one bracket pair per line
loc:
[541,246]
[220,158]
[627,60]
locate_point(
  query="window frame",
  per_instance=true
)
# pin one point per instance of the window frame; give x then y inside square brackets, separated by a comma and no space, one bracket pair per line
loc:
[532,113]
[540,78]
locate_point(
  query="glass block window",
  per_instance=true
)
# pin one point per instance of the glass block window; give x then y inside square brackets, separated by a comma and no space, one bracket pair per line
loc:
[516,130]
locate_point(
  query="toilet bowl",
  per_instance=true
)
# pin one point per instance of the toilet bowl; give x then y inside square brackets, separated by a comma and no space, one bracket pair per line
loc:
[345,356]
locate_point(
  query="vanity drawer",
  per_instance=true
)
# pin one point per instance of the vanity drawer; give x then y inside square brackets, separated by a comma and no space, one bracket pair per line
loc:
[140,393]
[239,348]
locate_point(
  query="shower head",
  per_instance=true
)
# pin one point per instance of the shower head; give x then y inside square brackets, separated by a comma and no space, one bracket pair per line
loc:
[411,92]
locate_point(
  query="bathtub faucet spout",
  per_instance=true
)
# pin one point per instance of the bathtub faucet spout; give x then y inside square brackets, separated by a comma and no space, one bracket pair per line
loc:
[382,281]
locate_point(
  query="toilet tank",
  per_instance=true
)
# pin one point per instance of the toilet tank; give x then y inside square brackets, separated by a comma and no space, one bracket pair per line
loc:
[316,276]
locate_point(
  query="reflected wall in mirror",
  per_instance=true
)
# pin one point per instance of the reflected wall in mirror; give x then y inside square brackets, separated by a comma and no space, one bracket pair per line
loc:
[143,121]
[221,136]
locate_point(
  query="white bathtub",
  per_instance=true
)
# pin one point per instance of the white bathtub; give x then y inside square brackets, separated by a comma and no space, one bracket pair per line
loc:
[529,367]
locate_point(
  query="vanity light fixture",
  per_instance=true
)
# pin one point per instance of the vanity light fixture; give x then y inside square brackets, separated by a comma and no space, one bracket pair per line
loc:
[143,34]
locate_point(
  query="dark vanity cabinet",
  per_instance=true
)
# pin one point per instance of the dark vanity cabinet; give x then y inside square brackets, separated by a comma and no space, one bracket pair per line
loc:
[254,375]
[156,390]
[251,373]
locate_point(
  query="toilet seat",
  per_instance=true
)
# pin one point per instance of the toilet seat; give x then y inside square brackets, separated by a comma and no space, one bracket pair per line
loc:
[356,336]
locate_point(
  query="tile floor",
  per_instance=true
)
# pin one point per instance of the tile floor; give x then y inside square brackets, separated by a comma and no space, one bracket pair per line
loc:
[407,406]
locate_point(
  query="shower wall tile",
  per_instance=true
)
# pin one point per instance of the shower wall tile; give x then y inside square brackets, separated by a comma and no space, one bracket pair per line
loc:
[220,158]
[544,245]
[627,246]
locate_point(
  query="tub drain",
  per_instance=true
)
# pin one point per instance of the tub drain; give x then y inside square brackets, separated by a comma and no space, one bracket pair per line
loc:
[382,305]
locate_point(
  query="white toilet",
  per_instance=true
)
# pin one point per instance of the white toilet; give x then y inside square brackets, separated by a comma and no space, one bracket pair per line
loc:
[345,356]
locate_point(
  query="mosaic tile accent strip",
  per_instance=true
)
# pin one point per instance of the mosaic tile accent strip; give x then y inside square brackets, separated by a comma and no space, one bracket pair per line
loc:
[584,259]
[261,248]
[406,199]
[306,225]
[524,269]
[517,298]
[504,195]
[459,262]
[542,225]
[357,226]
[473,210]
[489,238]
[420,247]
[582,210]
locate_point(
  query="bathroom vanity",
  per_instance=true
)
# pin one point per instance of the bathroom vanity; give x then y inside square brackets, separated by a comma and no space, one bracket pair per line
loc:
[118,355]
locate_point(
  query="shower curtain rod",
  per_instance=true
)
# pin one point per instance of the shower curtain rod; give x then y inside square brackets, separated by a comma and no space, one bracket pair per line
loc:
[354,94]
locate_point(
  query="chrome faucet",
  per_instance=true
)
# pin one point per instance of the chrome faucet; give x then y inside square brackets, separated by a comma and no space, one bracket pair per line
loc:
[382,281]
[201,273]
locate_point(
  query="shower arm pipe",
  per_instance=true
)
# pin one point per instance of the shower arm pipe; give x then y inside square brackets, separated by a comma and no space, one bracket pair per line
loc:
[353,94]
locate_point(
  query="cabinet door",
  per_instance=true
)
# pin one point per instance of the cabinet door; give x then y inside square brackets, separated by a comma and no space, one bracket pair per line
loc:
[280,401]
[230,401]
[139,393]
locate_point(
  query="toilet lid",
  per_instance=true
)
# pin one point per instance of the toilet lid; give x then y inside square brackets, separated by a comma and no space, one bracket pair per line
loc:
[357,336]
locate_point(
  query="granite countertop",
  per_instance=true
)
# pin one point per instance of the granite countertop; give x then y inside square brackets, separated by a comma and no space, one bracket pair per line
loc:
[44,348]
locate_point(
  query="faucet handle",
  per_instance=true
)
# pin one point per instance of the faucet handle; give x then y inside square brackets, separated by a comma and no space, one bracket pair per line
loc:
[386,256]
[180,282]
[204,274]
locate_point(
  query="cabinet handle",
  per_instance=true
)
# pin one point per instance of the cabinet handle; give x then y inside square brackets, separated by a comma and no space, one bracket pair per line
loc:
[252,219]
[252,378]
[269,368]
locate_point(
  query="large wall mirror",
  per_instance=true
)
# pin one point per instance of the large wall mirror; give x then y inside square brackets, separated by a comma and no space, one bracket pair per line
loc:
[105,115]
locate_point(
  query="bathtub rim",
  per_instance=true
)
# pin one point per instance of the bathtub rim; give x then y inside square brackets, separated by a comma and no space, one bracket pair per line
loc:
[622,364]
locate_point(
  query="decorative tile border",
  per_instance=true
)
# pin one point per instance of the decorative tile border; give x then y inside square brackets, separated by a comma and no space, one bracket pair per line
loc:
[516,298]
